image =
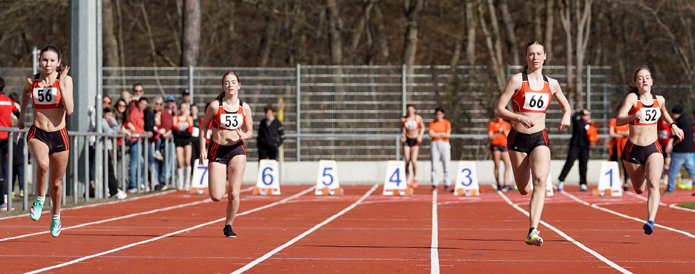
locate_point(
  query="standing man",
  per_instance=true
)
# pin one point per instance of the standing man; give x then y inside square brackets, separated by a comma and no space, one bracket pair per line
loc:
[167,120]
[137,119]
[440,149]
[682,153]
[7,108]
[579,148]
[271,134]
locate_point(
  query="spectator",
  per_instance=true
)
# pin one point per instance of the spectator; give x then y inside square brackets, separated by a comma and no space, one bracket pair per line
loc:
[182,129]
[440,130]
[148,115]
[120,111]
[137,120]
[682,151]
[138,92]
[109,125]
[18,153]
[196,132]
[127,98]
[497,132]
[579,148]
[271,134]
[167,118]
[663,130]
[105,102]
[186,97]
[7,108]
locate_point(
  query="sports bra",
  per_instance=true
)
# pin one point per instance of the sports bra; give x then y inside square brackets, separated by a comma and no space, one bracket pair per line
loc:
[182,124]
[528,100]
[650,114]
[411,125]
[46,97]
[229,120]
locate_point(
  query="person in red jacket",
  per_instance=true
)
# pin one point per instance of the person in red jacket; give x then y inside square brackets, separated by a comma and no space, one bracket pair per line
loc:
[7,108]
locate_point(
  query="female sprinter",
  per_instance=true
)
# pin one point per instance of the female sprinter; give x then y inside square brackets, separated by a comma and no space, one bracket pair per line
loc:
[227,154]
[642,154]
[182,129]
[412,130]
[51,94]
[530,93]
[497,132]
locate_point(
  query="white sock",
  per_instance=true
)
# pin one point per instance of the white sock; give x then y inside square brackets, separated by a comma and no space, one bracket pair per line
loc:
[56,216]
[40,198]
[188,176]
[180,177]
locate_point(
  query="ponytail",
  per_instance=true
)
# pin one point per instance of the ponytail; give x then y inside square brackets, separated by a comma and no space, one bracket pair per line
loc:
[219,96]
[525,68]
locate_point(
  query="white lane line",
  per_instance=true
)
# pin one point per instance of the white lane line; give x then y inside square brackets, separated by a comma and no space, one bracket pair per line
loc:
[675,206]
[169,234]
[280,248]
[434,253]
[568,238]
[114,219]
[642,198]
[625,216]
[110,203]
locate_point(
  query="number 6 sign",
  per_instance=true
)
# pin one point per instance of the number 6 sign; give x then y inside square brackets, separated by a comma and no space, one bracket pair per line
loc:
[268,180]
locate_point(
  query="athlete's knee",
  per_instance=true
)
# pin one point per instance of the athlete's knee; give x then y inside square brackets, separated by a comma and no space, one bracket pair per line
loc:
[233,195]
[42,165]
[523,191]
[215,198]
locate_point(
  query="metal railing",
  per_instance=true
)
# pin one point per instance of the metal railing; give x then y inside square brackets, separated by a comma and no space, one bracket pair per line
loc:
[80,185]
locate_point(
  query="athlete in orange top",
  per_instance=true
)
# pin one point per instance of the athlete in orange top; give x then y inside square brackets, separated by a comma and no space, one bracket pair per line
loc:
[182,129]
[227,154]
[440,149]
[528,140]
[642,154]
[497,132]
[412,129]
[618,136]
[51,94]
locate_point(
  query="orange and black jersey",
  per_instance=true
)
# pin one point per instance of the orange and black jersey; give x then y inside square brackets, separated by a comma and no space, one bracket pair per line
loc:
[46,97]
[650,113]
[528,100]
[229,120]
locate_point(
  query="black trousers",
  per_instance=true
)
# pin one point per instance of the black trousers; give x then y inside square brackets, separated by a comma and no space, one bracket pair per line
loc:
[267,152]
[581,153]
[113,182]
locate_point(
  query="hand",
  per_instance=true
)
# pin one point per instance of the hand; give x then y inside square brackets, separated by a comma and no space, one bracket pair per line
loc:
[20,121]
[419,139]
[64,76]
[677,132]
[500,130]
[527,122]
[564,123]
[203,155]
[668,149]
[402,139]
[242,135]
[637,116]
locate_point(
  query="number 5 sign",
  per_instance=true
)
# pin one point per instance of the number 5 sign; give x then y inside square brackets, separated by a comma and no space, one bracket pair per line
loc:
[327,177]
[268,180]
[467,178]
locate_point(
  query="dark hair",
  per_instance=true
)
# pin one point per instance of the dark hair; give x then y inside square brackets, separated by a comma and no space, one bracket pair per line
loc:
[55,49]
[182,102]
[108,110]
[439,109]
[2,84]
[221,95]
[142,99]
[138,84]
[14,96]
[268,107]
[107,96]
[192,105]
[631,87]
[534,42]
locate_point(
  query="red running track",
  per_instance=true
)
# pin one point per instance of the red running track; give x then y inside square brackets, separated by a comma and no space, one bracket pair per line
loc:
[355,233]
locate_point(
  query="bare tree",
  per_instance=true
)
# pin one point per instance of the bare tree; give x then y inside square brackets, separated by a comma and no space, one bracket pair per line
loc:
[109,36]
[492,41]
[382,42]
[412,14]
[334,25]
[471,24]
[511,35]
[565,11]
[268,33]
[582,40]
[191,33]
[549,21]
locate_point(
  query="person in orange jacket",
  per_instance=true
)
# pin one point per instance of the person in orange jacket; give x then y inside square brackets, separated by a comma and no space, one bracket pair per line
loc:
[583,136]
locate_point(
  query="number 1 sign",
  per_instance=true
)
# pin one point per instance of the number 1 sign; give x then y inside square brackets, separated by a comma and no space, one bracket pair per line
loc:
[610,178]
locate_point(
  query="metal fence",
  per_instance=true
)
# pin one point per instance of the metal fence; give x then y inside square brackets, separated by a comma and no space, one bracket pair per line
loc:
[364,100]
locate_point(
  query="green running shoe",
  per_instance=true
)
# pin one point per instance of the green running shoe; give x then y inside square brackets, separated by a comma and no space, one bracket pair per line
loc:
[35,211]
[534,239]
[56,226]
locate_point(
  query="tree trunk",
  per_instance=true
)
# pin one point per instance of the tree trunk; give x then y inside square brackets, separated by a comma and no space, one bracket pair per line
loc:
[368,32]
[583,31]
[471,23]
[412,14]
[509,28]
[549,21]
[190,55]
[361,30]
[381,42]
[537,26]
[495,53]
[267,40]
[567,26]
[109,36]
[336,41]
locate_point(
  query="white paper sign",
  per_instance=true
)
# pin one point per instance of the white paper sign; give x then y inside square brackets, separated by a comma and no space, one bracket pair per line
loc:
[466,178]
[610,178]
[395,177]
[268,177]
[200,177]
[327,177]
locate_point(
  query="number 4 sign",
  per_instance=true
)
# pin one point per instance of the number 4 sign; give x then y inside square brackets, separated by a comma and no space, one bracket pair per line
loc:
[467,179]
[395,178]
[610,179]
[268,182]
[327,178]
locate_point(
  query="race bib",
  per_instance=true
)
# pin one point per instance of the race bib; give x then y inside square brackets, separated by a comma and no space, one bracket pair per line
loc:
[183,126]
[231,121]
[650,115]
[410,125]
[196,132]
[45,96]
[536,101]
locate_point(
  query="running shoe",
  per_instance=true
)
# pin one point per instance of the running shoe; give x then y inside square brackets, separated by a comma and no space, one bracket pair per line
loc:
[3,207]
[534,239]
[55,227]
[21,193]
[414,183]
[228,231]
[583,188]
[35,211]
[561,186]
[625,189]
[434,187]
[446,188]
[507,188]
[648,227]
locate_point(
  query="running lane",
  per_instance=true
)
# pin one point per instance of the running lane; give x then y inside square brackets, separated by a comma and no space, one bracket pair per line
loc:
[486,235]
[41,251]
[384,234]
[206,250]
